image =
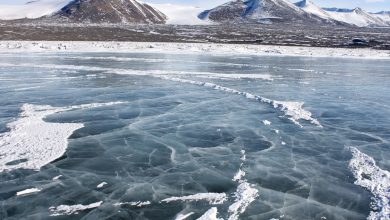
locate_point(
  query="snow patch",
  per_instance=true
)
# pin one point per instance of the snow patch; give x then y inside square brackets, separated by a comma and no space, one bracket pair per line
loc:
[183,216]
[101,185]
[32,143]
[137,204]
[244,195]
[73,209]
[375,180]
[295,112]
[28,192]
[212,198]
[57,177]
[211,214]
[266,122]
[189,48]
[34,9]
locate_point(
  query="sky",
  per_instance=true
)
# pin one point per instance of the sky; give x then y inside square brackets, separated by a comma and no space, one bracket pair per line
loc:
[369,5]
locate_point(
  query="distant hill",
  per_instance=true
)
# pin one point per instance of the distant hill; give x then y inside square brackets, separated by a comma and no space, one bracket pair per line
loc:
[86,11]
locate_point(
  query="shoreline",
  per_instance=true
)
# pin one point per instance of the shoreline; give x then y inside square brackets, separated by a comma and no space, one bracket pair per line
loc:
[189,48]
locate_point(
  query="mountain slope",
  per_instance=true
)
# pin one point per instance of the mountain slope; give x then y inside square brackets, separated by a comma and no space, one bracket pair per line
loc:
[260,11]
[357,16]
[311,8]
[85,11]
[31,10]
[110,11]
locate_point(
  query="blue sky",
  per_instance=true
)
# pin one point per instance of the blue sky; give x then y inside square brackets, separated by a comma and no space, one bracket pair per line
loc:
[370,5]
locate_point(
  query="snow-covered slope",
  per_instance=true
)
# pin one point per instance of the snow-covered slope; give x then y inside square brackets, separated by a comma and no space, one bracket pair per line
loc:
[310,7]
[34,9]
[384,16]
[260,11]
[356,16]
[180,14]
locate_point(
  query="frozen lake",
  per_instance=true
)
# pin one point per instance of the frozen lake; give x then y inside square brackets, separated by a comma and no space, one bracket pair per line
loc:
[164,136]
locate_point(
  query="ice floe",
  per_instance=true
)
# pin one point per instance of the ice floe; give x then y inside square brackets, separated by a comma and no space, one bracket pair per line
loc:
[375,180]
[32,142]
[72,209]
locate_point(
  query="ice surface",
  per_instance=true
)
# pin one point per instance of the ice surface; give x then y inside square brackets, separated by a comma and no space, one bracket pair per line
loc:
[194,133]
[31,142]
[374,179]
[134,72]
[293,110]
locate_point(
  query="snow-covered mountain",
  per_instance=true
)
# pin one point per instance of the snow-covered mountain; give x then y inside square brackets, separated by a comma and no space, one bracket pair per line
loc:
[31,10]
[260,11]
[92,11]
[356,16]
[111,11]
